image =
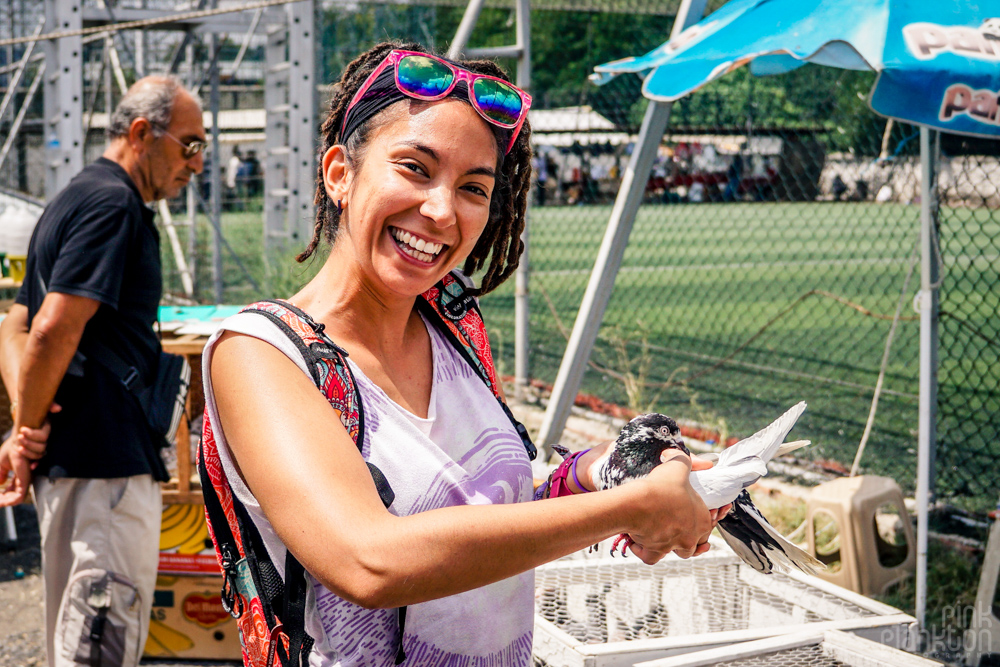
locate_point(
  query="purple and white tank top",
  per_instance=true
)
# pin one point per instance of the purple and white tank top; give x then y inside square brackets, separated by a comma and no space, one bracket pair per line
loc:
[464,453]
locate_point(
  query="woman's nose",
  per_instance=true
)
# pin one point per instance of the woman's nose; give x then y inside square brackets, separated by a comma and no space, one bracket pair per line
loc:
[439,206]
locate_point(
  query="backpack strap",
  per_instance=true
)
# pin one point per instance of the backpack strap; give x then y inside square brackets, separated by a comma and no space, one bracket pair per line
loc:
[327,364]
[330,372]
[252,589]
[453,309]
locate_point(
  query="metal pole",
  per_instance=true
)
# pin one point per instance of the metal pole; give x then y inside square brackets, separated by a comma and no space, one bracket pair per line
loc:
[464,31]
[22,66]
[522,301]
[175,246]
[39,75]
[11,528]
[116,63]
[10,26]
[609,258]
[192,239]
[140,49]
[192,207]
[63,95]
[246,41]
[109,93]
[216,176]
[928,304]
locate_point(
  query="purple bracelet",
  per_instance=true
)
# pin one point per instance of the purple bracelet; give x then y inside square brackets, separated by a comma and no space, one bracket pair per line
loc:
[576,479]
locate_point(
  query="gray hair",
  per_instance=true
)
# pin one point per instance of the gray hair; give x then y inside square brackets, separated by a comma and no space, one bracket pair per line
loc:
[151,98]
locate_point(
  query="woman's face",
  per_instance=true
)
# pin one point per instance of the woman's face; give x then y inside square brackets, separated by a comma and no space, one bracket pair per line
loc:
[417,204]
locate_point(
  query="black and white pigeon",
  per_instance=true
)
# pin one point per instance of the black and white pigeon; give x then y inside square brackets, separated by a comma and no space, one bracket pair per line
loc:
[637,451]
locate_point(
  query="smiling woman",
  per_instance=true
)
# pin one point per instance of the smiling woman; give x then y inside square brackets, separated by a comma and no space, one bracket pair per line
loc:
[383,529]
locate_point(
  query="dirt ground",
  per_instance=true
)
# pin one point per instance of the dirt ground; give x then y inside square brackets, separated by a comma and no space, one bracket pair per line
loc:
[22,635]
[22,639]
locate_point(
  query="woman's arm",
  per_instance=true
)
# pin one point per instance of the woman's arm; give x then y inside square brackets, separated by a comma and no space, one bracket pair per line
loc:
[304,469]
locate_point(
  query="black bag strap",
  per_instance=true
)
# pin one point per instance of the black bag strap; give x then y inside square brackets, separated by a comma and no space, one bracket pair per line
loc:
[465,303]
[299,643]
[294,615]
[129,375]
[228,550]
[97,636]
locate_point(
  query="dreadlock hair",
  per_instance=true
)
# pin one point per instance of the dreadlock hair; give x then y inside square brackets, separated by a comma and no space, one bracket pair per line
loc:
[500,242]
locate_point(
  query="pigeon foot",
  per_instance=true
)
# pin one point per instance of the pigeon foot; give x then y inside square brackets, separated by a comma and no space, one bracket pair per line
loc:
[628,541]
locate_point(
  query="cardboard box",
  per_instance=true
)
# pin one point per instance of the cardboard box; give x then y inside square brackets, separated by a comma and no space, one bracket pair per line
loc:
[188,621]
[185,547]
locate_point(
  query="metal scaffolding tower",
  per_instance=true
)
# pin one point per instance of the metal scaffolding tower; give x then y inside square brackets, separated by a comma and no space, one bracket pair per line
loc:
[63,130]
[290,127]
[290,99]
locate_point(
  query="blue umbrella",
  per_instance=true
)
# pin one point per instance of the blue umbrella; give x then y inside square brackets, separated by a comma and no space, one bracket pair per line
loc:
[938,61]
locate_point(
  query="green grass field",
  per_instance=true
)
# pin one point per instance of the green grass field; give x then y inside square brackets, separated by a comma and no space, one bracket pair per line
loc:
[699,281]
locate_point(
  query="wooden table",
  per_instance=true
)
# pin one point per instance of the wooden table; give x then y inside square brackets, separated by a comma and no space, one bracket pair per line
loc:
[186,487]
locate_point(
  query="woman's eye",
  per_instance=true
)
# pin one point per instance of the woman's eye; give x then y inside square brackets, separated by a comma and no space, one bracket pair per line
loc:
[414,167]
[475,189]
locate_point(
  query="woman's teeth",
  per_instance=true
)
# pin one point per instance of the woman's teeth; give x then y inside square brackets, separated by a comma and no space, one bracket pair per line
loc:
[416,247]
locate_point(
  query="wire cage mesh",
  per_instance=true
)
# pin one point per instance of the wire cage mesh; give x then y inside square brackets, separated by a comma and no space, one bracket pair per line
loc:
[831,648]
[811,656]
[620,611]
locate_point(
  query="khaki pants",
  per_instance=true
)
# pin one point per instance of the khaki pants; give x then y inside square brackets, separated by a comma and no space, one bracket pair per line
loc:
[100,547]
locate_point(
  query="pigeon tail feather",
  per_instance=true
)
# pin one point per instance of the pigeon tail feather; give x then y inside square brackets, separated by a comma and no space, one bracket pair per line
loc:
[790,447]
[754,540]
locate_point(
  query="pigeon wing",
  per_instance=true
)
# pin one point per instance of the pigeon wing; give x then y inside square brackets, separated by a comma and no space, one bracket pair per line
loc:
[764,443]
[720,485]
[763,548]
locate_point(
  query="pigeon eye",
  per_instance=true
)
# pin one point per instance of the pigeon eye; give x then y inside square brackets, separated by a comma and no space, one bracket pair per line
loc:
[665,431]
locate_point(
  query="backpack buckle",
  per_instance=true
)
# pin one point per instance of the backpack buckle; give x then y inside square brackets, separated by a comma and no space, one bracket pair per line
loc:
[131,378]
[327,349]
[457,307]
[232,603]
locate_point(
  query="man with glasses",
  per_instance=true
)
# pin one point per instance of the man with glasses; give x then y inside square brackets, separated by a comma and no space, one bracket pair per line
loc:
[93,285]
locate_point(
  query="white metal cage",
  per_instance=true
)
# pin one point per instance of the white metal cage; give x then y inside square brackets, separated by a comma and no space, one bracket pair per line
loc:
[831,648]
[599,611]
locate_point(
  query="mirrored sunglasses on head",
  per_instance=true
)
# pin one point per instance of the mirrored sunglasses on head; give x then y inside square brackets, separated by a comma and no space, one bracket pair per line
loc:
[426,77]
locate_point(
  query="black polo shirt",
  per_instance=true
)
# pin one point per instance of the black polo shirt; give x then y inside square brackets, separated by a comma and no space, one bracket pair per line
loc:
[97,239]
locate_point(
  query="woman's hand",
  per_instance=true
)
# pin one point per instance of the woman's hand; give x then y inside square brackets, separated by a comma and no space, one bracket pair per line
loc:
[670,516]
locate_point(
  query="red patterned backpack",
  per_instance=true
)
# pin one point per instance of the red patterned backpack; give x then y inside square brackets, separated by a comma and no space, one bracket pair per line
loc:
[270,611]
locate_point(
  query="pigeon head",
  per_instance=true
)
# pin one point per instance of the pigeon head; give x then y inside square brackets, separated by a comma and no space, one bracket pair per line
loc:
[653,432]
[639,446]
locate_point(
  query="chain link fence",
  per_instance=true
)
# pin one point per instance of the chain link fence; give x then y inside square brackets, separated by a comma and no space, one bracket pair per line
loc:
[777,242]
[969,358]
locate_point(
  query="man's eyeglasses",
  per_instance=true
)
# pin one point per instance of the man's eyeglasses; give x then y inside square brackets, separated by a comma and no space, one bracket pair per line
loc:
[191,148]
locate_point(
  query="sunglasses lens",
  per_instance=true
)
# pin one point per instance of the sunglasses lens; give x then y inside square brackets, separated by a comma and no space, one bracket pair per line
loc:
[423,76]
[499,101]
